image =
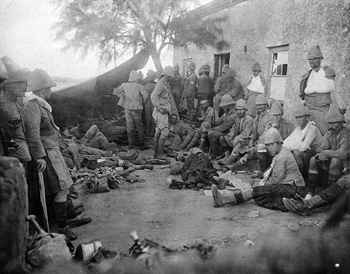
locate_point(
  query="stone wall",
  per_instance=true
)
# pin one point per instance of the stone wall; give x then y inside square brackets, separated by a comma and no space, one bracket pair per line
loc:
[259,24]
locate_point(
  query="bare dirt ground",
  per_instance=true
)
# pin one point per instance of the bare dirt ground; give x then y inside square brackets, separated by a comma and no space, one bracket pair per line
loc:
[180,217]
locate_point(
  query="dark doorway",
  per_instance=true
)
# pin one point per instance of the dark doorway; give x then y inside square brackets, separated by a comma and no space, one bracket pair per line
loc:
[219,61]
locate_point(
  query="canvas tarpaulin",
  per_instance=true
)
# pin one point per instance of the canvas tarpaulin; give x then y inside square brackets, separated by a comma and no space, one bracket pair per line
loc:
[94,98]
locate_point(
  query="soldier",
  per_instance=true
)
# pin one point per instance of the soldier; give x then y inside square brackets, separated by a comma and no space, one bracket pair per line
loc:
[234,87]
[256,86]
[162,110]
[15,86]
[304,140]
[224,124]
[207,121]
[148,106]
[205,87]
[133,95]
[316,88]
[190,90]
[42,136]
[282,179]
[284,126]
[332,157]
[177,86]
[242,126]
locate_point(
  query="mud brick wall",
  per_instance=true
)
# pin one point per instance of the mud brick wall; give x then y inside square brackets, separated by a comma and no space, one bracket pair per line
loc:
[256,25]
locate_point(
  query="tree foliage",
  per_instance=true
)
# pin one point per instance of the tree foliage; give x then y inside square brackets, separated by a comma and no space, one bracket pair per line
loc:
[116,26]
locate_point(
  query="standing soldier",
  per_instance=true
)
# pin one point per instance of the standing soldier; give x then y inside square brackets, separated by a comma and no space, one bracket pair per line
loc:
[256,86]
[162,109]
[316,88]
[177,86]
[190,90]
[15,86]
[205,88]
[42,136]
[133,95]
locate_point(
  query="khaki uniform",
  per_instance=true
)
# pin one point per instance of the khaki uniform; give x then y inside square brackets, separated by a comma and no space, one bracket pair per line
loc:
[42,136]
[160,100]
[317,103]
[11,120]
[132,100]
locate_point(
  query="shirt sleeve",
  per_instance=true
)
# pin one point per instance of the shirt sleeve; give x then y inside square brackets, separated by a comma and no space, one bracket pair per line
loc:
[32,119]
[342,152]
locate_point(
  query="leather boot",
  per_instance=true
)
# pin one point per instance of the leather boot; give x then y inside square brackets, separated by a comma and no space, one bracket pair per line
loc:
[220,199]
[303,207]
[75,220]
[156,144]
[60,209]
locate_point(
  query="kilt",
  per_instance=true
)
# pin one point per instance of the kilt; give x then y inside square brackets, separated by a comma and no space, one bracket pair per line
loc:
[270,196]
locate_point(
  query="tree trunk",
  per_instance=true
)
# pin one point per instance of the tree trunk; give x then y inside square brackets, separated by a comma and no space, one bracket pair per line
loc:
[13,211]
[156,59]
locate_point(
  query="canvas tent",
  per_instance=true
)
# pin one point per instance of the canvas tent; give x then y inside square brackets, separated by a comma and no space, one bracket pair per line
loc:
[94,98]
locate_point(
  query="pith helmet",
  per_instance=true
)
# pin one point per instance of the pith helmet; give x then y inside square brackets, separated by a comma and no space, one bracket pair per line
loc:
[241,104]
[133,76]
[151,75]
[14,71]
[3,71]
[168,70]
[226,100]
[200,70]
[192,65]
[314,52]
[261,100]
[301,110]
[256,66]
[272,135]
[39,79]
[176,67]
[334,115]
[276,108]
[225,68]
[206,68]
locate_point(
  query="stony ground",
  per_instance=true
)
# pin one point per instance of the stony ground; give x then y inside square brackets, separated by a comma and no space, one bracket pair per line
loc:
[180,217]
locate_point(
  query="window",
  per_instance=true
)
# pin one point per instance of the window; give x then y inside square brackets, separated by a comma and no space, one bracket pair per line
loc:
[279,63]
[219,61]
